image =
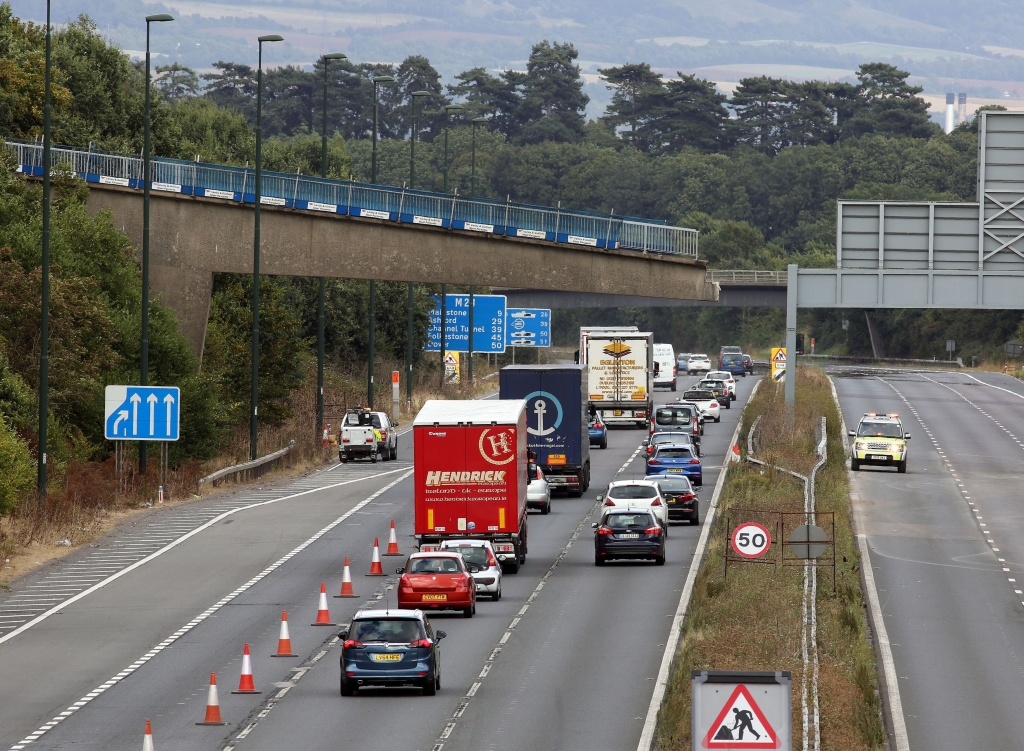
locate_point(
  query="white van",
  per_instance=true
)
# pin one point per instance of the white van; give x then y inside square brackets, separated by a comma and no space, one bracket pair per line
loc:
[664,366]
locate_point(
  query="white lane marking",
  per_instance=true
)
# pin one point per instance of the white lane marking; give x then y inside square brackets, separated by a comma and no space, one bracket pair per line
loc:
[214,608]
[667,658]
[156,554]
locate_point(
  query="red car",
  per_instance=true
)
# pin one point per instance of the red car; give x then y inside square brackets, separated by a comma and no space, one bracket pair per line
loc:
[437,580]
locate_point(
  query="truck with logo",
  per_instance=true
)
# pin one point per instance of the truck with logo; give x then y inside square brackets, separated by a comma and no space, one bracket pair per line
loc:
[620,375]
[556,420]
[470,475]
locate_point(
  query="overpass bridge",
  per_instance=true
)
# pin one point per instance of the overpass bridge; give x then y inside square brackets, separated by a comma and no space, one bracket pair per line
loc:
[201,223]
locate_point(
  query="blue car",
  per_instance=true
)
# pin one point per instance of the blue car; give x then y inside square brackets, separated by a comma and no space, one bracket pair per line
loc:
[390,648]
[733,364]
[598,432]
[675,459]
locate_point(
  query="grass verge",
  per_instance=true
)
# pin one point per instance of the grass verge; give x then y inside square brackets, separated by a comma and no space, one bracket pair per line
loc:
[751,619]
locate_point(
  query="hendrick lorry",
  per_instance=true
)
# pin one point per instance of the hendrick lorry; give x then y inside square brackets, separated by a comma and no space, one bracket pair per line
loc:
[620,375]
[556,420]
[471,475]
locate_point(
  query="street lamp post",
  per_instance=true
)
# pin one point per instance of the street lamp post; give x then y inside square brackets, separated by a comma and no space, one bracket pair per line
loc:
[448,110]
[146,181]
[255,377]
[322,291]
[472,180]
[371,355]
[412,185]
[412,138]
[44,317]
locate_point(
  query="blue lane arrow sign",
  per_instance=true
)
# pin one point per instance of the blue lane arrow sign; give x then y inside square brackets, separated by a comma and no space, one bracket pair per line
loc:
[142,413]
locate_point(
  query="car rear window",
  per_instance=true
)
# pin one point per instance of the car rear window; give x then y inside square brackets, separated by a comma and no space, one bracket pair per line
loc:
[674,452]
[880,430]
[726,358]
[434,566]
[626,492]
[670,438]
[471,554]
[675,484]
[672,416]
[392,630]
[699,395]
[629,521]
[712,385]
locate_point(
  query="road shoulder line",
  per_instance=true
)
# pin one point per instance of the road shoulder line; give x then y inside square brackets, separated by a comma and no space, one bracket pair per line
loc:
[672,643]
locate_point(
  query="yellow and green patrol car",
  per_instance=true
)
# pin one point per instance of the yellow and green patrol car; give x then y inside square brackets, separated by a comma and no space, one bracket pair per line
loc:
[879,440]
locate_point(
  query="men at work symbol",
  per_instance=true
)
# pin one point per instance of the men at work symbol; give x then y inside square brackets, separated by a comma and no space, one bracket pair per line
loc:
[743,719]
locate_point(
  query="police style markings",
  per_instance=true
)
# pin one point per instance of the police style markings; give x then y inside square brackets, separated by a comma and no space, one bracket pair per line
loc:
[751,540]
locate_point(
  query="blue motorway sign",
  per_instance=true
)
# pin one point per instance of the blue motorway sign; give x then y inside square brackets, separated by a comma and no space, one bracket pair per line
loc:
[488,324]
[528,327]
[142,413]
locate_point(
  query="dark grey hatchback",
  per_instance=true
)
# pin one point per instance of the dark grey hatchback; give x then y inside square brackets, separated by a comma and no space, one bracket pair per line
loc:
[390,648]
[629,533]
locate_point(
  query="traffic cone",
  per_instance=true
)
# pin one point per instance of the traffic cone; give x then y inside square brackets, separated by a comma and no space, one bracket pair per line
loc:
[245,683]
[212,705]
[147,739]
[392,542]
[735,455]
[323,618]
[284,641]
[346,582]
[375,567]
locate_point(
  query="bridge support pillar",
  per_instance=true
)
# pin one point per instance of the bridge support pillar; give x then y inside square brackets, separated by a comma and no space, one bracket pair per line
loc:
[791,335]
[187,292]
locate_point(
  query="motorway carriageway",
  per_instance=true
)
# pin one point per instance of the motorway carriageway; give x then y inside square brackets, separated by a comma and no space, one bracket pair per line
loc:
[545,667]
[946,542]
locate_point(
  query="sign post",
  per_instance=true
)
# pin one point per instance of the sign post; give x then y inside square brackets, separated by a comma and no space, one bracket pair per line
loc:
[950,347]
[150,413]
[395,401]
[741,709]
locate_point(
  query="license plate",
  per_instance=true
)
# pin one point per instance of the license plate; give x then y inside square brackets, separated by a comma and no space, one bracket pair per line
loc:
[673,470]
[617,412]
[629,536]
[878,457]
[387,657]
[434,597]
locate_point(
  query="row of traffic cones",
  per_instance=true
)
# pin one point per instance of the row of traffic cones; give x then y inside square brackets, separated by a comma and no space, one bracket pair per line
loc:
[246,682]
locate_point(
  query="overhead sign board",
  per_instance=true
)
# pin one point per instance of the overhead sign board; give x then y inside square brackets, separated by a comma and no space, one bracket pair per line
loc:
[488,324]
[142,413]
[528,327]
[778,363]
[742,709]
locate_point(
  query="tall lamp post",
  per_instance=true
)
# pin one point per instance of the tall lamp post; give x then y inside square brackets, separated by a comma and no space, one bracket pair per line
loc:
[377,81]
[448,110]
[412,185]
[146,180]
[44,317]
[255,377]
[472,180]
[322,291]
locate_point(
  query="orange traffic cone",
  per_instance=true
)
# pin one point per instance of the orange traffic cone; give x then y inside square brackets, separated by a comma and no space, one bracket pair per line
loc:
[346,582]
[392,542]
[284,640]
[375,567]
[212,705]
[147,739]
[245,683]
[323,618]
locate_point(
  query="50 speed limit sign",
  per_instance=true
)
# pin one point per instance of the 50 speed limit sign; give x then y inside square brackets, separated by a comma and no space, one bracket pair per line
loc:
[751,540]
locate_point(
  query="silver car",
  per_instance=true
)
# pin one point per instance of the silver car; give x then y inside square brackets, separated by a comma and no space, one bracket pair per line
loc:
[538,492]
[481,563]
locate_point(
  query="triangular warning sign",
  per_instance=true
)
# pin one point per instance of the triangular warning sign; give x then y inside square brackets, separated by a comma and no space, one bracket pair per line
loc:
[780,356]
[741,724]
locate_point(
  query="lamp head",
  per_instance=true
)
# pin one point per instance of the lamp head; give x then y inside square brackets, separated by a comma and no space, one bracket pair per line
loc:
[335,56]
[453,107]
[383,79]
[420,93]
[270,38]
[480,120]
[159,17]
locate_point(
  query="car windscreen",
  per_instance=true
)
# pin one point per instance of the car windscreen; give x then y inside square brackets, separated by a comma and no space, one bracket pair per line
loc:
[674,452]
[698,395]
[434,566]
[471,554]
[629,521]
[880,430]
[627,492]
[672,416]
[674,484]
[392,630]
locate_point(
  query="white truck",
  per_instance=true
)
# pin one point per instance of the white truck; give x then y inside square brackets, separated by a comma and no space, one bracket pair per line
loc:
[620,367]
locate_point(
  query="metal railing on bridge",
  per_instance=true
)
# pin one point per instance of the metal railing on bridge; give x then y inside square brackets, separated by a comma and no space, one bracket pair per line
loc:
[740,277]
[350,198]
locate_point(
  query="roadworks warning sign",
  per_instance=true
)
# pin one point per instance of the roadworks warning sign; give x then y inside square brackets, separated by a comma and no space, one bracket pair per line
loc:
[741,724]
[778,363]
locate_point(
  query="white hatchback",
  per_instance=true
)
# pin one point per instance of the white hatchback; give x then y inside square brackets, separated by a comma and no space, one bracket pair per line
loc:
[637,494]
[481,563]
[698,363]
[721,375]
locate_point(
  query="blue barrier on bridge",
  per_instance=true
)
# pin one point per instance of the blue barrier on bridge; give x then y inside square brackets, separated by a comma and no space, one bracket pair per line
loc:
[350,198]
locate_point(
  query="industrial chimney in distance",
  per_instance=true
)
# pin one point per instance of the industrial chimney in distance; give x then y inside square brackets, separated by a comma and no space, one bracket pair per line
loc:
[950,112]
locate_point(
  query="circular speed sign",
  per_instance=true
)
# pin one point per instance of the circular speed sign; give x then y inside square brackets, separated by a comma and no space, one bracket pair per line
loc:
[751,540]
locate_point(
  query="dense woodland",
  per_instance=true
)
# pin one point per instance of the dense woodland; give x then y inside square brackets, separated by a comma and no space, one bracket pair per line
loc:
[758,175]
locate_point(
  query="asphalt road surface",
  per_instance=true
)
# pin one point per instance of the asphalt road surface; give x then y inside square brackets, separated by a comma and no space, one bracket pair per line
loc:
[541,668]
[947,547]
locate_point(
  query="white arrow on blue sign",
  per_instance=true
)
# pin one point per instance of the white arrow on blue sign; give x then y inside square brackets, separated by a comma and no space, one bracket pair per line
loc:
[528,327]
[142,413]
